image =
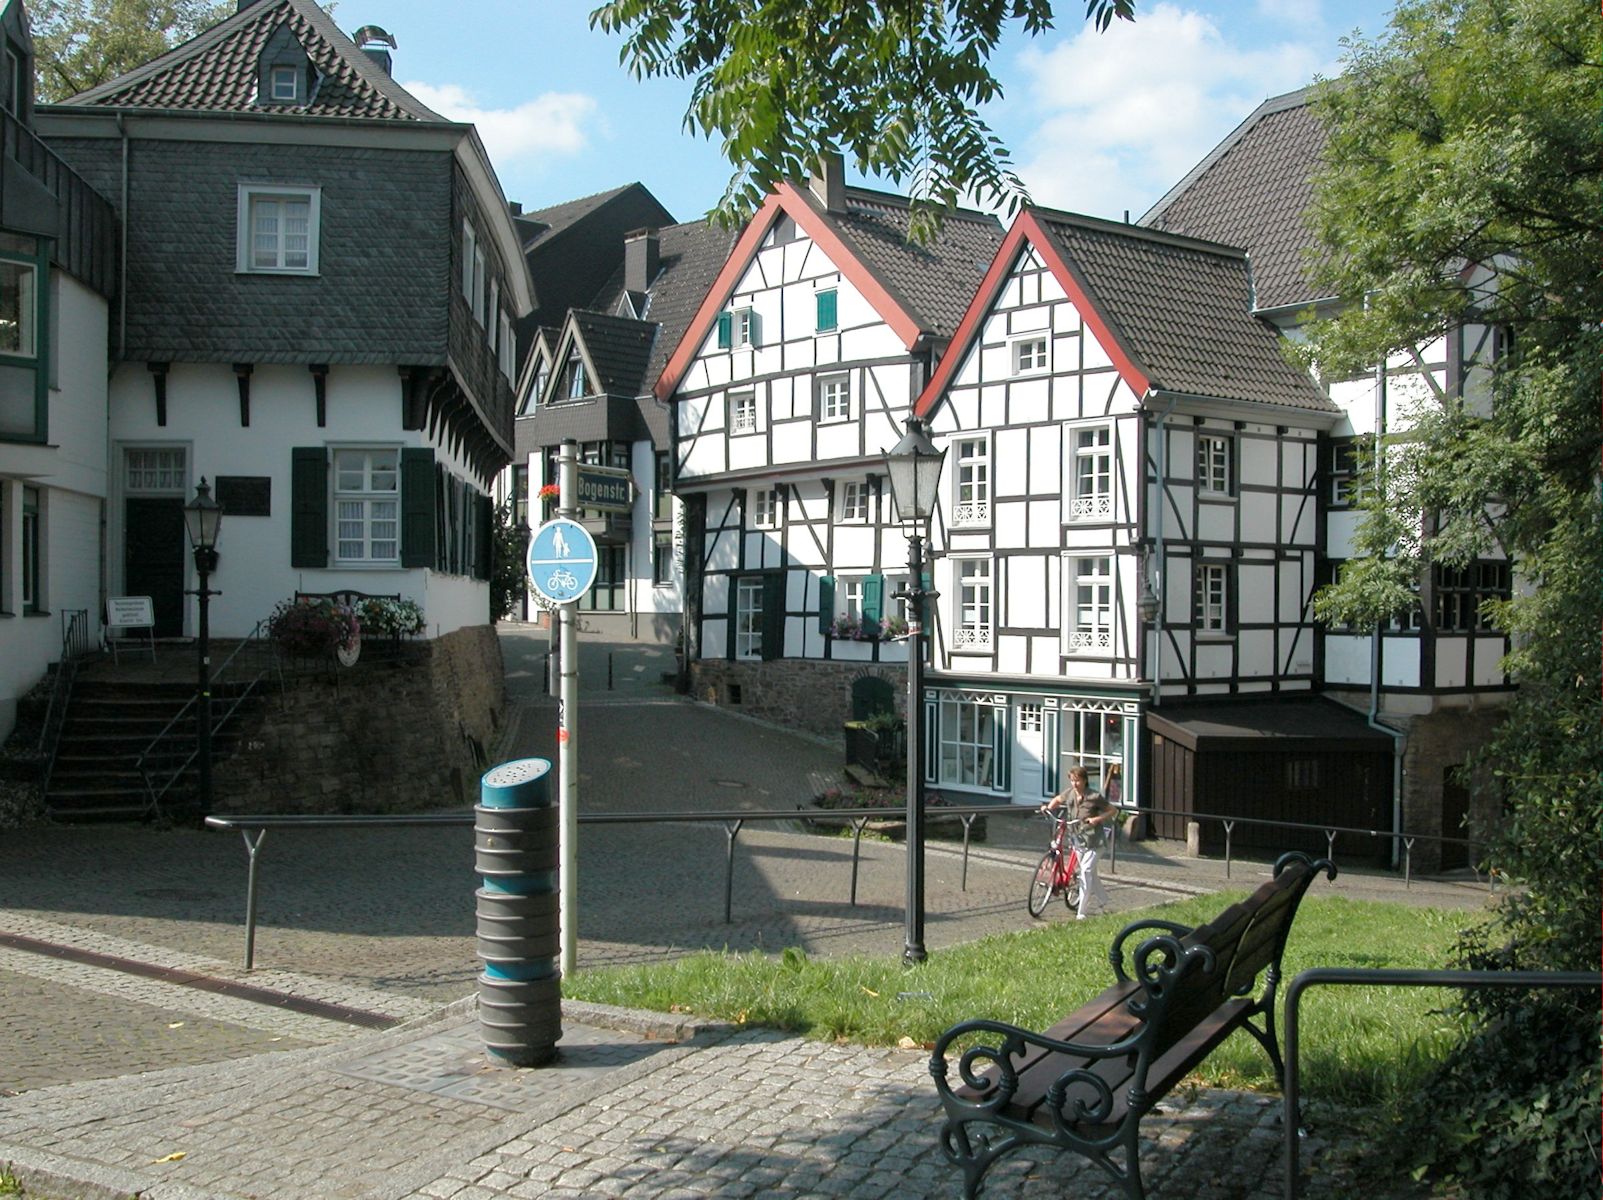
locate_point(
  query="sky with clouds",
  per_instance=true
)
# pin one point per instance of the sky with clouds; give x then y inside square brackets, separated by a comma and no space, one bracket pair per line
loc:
[1096,122]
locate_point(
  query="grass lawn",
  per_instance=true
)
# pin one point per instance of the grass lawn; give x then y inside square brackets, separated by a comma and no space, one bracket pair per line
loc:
[1359,1045]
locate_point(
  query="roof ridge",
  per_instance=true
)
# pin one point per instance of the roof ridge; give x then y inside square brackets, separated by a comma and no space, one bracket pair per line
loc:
[602,197]
[1162,236]
[183,52]
[896,199]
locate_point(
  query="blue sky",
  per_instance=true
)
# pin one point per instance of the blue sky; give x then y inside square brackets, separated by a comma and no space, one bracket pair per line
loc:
[1097,123]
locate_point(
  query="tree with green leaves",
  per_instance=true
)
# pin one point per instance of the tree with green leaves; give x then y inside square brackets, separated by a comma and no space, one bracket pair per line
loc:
[1467,140]
[897,86]
[79,44]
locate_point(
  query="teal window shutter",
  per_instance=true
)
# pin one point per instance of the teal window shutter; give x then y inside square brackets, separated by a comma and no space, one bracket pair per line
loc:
[873,602]
[755,326]
[417,507]
[932,742]
[308,537]
[826,603]
[774,615]
[1049,773]
[725,330]
[1001,750]
[826,311]
[481,542]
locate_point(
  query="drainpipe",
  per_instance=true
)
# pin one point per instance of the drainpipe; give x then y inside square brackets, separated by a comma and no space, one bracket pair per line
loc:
[122,266]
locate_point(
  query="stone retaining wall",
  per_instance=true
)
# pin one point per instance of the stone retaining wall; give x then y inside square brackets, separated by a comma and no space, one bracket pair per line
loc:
[1437,743]
[809,695]
[391,734]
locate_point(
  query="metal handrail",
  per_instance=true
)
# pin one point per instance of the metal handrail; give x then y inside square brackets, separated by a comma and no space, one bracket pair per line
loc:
[1391,977]
[257,635]
[75,646]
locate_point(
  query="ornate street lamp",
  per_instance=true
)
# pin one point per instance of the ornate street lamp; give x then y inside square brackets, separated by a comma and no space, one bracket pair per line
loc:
[915,471]
[202,518]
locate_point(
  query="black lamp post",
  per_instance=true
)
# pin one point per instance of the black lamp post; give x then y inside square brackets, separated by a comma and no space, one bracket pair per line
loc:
[915,471]
[202,516]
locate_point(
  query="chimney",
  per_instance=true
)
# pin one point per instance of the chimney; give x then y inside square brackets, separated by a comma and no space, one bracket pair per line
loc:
[371,41]
[639,260]
[516,207]
[828,183]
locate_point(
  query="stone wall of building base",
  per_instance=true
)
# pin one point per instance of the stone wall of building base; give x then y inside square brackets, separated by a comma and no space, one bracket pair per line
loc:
[391,734]
[809,695]
[1438,744]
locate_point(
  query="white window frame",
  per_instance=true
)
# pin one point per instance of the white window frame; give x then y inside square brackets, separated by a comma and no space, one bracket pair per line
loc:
[27,303]
[1031,353]
[974,610]
[748,617]
[370,498]
[851,501]
[506,353]
[849,596]
[742,324]
[743,413]
[32,545]
[1088,594]
[1215,457]
[245,228]
[1092,463]
[478,284]
[767,508]
[492,316]
[278,75]
[971,481]
[168,465]
[834,393]
[963,756]
[470,247]
[1213,599]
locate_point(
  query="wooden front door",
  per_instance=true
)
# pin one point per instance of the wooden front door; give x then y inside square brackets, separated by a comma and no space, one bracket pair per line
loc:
[153,557]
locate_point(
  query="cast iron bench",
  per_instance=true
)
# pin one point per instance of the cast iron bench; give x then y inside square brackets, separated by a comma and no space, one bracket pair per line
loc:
[1085,1084]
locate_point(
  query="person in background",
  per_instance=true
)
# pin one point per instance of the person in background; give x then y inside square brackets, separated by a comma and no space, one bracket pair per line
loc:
[1094,813]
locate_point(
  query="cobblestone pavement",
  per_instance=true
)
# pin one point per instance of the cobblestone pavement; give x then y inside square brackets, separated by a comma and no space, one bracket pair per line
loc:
[381,921]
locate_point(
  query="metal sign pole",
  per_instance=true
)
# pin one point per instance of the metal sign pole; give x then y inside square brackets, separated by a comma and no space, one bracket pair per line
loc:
[568,731]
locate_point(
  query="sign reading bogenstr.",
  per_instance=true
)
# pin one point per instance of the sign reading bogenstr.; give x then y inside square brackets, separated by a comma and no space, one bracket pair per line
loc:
[608,489]
[562,560]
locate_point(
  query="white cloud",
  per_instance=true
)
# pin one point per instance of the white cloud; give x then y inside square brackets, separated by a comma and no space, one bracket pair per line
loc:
[1119,117]
[555,123]
[1304,14]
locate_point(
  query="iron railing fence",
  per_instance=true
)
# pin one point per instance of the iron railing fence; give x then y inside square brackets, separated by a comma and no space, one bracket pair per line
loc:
[733,822]
[159,781]
[75,647]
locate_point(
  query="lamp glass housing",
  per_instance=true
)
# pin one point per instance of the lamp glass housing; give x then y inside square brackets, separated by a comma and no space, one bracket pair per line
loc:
[202,518]
[914,465]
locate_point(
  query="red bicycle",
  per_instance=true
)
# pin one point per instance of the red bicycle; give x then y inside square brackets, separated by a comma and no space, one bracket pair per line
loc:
[1059,871]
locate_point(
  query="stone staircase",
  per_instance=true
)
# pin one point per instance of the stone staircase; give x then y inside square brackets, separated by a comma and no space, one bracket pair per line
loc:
[109,723]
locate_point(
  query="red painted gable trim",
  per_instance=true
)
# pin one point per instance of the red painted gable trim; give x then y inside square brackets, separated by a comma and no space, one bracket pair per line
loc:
[784,200]
[1028,228]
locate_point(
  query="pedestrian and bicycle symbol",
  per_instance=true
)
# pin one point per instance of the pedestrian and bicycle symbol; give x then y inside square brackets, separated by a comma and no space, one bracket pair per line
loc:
[562,560]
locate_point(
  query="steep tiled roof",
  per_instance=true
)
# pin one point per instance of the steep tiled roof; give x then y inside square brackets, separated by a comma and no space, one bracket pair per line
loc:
[547,222]
[618,349]
[1181,307]
[934,282]
[217,71]
[1252,191]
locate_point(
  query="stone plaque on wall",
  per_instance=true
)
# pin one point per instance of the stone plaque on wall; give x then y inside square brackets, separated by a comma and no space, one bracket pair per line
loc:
[245,495]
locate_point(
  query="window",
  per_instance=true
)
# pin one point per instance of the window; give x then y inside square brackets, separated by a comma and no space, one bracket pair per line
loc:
[834,396]
[578,386]
[367,506]
[24,340]
[851,501]
[765,509]
[507,355]
[1348,484]
[520,495]
[1089,629]
[749,618]
[967,733]
[1459,592]
[662,558]
[973,482]
[663,498]
[542,376]
[1094,739]
[1212,598]
[155,470]
[470,250]
[1029,355]
[31,590]
[492,316]
[1213,464]
[278,229]
[743,412]
[824,302]
[973,631]
[1302,774]
[14,94]
[1093,475]
[477,295]
[736,328]
[283,84]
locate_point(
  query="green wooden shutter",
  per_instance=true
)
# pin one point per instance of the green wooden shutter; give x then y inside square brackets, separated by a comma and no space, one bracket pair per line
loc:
[308,537]
[774,615]
[1053,730]
[826,603]
[873,602]
[417,507]
[732,613]
[755,324]
[482,543]
[1001,749]
[726,335]
[826,311]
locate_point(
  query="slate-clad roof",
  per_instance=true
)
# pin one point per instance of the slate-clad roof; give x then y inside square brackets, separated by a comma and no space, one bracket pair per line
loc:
[1252,191]
[618,348]
[1181,307]
[547,222]
[935,282]
[217,71]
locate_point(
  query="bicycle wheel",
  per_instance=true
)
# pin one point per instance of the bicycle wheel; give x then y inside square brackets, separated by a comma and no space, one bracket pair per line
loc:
[1071,890]
[1041,885]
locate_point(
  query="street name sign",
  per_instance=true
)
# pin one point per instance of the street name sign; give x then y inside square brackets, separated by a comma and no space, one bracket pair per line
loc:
[562,560]
[607,489]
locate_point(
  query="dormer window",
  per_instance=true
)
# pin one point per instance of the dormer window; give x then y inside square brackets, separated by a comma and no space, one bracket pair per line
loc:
[284,85]
[578,386]
[283,72]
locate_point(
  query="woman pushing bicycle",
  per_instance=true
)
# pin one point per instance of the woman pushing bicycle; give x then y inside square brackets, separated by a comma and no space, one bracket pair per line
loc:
[1092,811]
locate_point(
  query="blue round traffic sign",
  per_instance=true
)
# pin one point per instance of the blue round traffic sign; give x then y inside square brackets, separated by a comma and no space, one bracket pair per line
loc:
[562,560]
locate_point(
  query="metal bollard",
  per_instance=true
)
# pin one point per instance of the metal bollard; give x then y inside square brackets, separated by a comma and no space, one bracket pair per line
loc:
[515,840]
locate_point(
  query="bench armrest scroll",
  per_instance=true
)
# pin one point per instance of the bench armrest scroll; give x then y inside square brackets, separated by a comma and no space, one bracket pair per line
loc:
[1116,951]
[996,1087]
[1294,858]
